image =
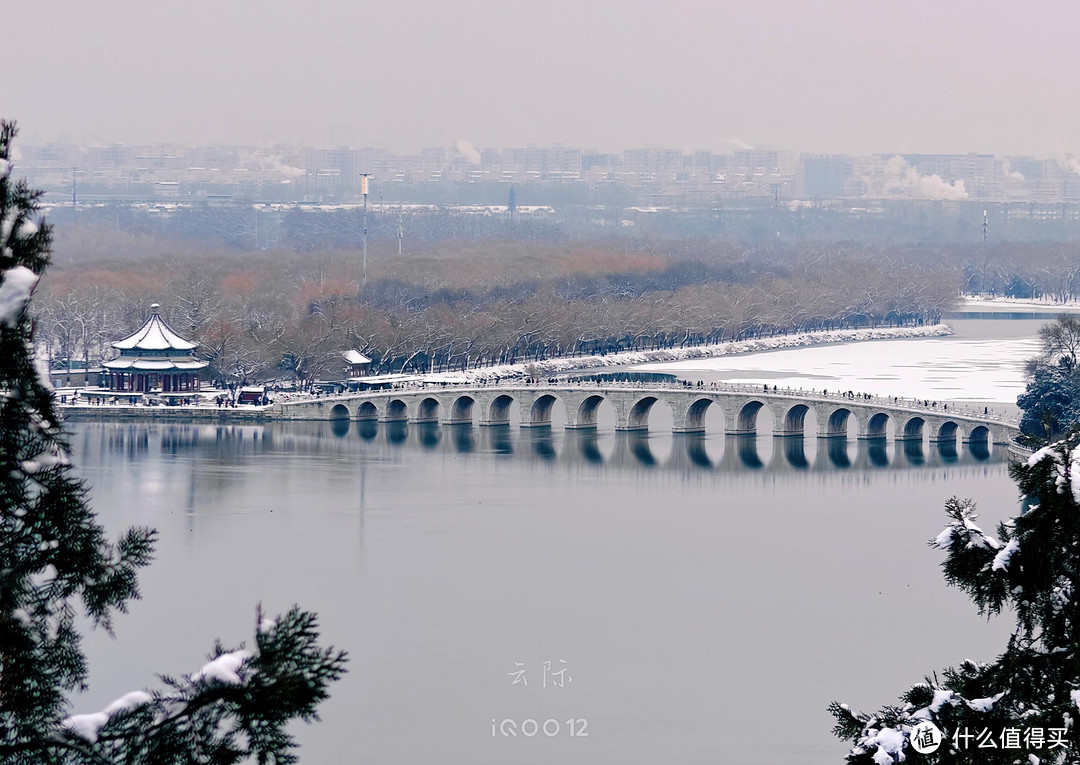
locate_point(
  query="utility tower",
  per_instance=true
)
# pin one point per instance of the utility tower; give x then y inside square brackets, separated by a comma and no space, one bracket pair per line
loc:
[986,224]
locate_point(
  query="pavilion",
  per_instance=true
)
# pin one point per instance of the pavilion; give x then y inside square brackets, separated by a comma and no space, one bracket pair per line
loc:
[154,359]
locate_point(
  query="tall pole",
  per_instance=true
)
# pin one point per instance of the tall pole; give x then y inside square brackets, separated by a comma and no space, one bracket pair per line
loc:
[74,181]
[364,191]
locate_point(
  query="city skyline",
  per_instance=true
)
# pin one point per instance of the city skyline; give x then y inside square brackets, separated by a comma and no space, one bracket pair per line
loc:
[832,77]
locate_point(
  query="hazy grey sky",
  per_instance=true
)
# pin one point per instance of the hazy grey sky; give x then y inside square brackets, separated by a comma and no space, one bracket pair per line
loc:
[854,76]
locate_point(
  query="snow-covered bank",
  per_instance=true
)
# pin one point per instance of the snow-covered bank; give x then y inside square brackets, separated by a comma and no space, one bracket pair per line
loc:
[957,369]
[800,340]
[990,304]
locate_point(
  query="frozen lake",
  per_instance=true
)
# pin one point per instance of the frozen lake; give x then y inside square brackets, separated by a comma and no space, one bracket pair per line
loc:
[706,594]
[981,363]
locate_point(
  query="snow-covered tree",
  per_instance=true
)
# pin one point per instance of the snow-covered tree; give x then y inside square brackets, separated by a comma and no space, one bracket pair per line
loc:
[1031,570]
[55,561]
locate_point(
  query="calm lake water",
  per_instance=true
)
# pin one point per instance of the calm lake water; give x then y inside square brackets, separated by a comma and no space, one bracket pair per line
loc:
[700,599]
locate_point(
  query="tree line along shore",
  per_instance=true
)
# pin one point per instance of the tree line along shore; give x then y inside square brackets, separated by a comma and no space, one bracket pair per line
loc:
[286,316]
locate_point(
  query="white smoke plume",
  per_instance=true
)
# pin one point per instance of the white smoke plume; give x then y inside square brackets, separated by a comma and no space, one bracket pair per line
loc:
[1071,163]
[902,178]
[256,160]
[467,150]
[738,143]
[1008,172]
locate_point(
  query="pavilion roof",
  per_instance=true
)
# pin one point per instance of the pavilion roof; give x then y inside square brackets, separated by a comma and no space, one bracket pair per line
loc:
[154,335]
[156,364]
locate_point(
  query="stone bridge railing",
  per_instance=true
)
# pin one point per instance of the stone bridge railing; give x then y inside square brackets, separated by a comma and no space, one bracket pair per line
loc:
[741,406]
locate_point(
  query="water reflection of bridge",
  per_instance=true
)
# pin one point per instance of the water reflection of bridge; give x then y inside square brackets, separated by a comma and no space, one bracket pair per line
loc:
[224,444]
[678,452]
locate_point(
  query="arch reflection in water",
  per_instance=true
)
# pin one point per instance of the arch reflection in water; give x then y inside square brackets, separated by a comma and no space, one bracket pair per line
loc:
[397,432]
[833,451]
[429,434]
[340,427]
[877,451]
[792,451]
[692,446]
[696,451]
[464,438]
[913,452]
[542,442]
[623,449]
[497,439]
[367,429]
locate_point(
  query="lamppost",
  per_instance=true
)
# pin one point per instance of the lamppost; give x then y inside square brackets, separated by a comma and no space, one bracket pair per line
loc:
[364,191]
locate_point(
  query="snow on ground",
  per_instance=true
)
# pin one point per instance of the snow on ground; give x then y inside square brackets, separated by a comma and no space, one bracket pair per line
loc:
[1014,305]
[799,340]
[939,369]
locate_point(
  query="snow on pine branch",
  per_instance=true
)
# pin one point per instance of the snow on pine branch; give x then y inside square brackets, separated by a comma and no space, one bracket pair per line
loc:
[88,726]
[1063,472]
[1001,560]
[18,282]
[964,528]
[224,669]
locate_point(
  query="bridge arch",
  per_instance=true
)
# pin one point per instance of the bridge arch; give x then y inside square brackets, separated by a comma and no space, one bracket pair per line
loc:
[836,423]
[396,410]
[367,411]
[980,433]
[499,409]
[793,420]
[694,421]
[428,410]
[585,417]
[877,426]
[540,411]
[978,441]
[339,412]
[638,416]
[461,410]
[746,419]
[947,431]
[913,428]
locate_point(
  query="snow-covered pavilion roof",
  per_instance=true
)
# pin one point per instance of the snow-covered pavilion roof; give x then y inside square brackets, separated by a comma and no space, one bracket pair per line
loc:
[143,364]
[154,335]
[355,357]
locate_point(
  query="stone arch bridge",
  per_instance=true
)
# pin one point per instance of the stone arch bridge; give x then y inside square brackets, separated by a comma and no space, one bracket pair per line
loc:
[741,408]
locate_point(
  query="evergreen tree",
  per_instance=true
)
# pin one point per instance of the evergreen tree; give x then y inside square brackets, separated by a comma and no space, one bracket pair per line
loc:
[1030,569]
[54,558]
[1051,403]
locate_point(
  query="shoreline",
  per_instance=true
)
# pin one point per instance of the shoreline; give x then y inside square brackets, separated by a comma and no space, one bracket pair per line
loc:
[272,412]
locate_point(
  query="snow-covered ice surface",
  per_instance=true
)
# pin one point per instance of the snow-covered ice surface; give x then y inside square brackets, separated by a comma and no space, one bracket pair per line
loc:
[739,347]
[1009,305]
[939,369]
